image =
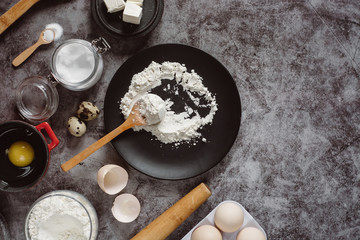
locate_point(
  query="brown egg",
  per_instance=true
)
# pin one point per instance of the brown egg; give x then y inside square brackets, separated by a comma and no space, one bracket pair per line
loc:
[206,232]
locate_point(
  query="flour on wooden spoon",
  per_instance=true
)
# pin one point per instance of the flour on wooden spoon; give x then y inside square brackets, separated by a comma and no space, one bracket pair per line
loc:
[176,127]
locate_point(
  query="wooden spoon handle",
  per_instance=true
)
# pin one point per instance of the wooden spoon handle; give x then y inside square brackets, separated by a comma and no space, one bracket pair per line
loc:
[11,15]
[96,145]
[168,221]
[25,54]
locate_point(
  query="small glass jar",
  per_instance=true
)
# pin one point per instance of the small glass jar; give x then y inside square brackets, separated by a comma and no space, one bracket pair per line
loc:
[36,98]
[76,64]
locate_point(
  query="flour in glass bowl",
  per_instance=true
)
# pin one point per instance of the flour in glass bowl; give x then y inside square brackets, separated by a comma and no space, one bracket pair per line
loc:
[176,127]
[59,218]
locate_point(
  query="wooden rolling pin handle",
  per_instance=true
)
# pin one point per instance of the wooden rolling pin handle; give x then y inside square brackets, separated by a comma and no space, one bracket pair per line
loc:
[15,12]
[168,221]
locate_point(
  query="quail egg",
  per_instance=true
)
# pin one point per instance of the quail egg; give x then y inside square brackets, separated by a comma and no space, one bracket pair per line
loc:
[76,127]
[87,111]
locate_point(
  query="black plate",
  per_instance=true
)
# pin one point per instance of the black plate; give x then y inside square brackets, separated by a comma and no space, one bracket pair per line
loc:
[112,22]
[165,161]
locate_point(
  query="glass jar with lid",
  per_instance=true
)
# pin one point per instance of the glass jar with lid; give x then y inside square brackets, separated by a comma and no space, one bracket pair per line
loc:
[76,64]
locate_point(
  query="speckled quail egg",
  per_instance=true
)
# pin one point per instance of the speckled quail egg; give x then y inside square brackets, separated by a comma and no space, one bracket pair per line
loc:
[76,127]
[87,111]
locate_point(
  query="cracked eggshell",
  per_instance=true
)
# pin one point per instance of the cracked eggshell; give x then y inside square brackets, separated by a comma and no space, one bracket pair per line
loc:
[112,178]
[76,127]
[87,111]
[126,208]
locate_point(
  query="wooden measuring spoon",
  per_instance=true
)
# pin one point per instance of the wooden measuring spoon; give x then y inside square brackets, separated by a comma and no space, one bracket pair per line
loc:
[135,119]
[25,54]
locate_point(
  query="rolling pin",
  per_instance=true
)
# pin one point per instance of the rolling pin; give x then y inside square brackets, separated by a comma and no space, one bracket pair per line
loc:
[168,221]
[15,12]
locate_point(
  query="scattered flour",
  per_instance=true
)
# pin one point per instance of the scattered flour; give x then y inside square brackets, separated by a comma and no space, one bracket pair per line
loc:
[59,218]
[175,127]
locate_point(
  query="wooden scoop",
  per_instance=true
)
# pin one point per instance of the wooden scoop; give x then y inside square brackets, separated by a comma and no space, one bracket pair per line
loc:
[25,54]
[134,119]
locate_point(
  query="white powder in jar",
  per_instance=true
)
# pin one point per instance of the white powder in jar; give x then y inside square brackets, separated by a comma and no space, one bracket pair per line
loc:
[75,62]
[59,218]
[176,127]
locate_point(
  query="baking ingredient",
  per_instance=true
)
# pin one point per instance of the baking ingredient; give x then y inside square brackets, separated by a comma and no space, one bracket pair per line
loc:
[57,28]
[229,217]
[132,13]
[126,208]
[177,127]
[21,154]
[87,111]
[137,2]
[75,62]
[59,217]
[152,108]
[114,5]
[250,233]
[112,178]
[206,232]
[49,35]
[76,127]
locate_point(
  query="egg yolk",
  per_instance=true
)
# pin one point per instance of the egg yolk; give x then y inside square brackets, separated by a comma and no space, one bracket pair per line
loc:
[21,154]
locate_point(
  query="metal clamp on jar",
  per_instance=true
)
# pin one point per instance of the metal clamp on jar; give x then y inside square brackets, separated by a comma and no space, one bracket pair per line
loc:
[76,64]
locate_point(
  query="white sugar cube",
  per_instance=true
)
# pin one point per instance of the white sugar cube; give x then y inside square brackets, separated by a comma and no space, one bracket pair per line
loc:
[132,13]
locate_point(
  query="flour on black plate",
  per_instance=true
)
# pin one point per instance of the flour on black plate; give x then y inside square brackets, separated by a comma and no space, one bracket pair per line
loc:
[198,107]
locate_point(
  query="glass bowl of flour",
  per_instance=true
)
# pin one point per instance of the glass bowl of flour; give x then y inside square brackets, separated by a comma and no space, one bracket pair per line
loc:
[61,214]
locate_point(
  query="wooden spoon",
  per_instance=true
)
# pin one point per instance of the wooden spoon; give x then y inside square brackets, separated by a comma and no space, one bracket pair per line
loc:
[134,119]
[25,54]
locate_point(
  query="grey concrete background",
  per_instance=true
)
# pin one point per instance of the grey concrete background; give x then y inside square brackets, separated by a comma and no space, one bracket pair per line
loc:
[295,164]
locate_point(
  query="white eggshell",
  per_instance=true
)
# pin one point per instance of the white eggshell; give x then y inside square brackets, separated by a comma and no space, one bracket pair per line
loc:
[206,232]
[126,208]
[250,233]
[112,178]
[229,217]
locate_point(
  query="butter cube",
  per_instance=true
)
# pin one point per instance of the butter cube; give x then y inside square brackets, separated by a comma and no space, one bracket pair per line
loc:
[114,5]
[137,2]
[132,13]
